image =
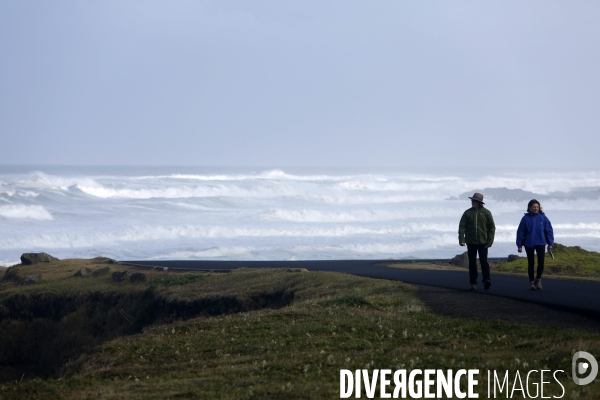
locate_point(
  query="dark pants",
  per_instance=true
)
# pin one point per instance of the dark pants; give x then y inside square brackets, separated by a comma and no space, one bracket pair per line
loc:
[472,250]
[540,250]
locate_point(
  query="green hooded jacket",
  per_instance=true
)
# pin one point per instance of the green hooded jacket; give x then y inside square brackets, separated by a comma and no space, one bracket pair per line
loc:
[477,227]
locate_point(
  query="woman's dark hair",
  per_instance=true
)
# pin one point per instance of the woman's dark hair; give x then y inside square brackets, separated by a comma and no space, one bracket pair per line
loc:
[532,202]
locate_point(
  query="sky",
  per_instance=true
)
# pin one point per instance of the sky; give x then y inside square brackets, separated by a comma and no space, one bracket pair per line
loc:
[509,84]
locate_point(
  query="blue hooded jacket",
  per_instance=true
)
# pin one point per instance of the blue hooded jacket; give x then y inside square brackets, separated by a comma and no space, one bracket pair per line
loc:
[535,230]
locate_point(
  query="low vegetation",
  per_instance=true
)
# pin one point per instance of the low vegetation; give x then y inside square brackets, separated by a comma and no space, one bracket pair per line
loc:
[569,261]
[175,280]
[260,334]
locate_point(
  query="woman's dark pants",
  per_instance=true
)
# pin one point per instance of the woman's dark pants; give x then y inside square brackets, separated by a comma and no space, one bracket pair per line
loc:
[472,250]
[540,250]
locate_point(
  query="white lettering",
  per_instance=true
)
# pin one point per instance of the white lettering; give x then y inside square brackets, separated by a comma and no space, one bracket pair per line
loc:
[370,385]
[346,383]
[400,383]
[472,383]
[457,392]
[445,383]
[497,383]
[534,384]
[411,384]
[542,384]
[428,383]
[383,382]
[563,388]
[517,377]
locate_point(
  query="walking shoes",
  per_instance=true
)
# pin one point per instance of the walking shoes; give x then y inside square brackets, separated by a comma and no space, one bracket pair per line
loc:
[532,285]
[538,284]
[473,286]
[487,284]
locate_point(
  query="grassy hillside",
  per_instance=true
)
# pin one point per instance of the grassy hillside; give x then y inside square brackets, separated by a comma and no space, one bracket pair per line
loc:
[260,334]
[569,261]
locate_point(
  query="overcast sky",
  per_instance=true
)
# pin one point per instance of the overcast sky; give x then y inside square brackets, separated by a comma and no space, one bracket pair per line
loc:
[304,83]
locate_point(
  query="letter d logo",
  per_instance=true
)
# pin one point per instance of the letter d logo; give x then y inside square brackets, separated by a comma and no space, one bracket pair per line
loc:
[582,367]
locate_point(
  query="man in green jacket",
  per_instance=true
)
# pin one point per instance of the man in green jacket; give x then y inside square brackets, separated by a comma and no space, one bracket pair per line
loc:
[476,229]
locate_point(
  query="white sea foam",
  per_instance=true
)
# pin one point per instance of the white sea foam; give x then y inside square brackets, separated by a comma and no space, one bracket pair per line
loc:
[380,249]
[8,263]
[506,237]
[568,205]
[271,214]
[21,193]
[142,233]
[356,215]
[341,198]
[347,251]
[213,252]
[41,180]
[20,211]
[580,226]
[267,175]
[543,183]
[591,234]
[182,192]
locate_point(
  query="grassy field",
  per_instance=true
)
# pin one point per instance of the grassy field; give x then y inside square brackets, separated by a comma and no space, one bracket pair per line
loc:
[569,261]
[252,334]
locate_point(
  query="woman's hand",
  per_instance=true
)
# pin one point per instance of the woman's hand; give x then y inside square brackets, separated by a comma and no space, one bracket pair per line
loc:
[520,250]
[550,247]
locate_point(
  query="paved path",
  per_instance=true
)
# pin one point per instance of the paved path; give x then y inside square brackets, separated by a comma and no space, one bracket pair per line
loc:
[559,294]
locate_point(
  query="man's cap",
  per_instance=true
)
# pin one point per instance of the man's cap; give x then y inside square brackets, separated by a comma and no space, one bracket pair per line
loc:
[477,197]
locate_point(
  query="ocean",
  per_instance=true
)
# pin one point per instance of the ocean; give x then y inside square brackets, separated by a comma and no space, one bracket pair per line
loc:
[201,213]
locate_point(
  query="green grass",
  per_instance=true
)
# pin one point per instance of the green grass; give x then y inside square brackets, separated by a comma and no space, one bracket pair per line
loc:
[175,280]
[294,348]
[351,300]
[569,261]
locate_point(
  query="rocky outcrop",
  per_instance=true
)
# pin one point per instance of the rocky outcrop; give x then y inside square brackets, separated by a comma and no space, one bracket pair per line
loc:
[11,274]
[104,260]
[32,258]
[513,257]
[297,270]
[32,279]
[83,272]
[137,277]
[461,260]
[118,276]
[101,271]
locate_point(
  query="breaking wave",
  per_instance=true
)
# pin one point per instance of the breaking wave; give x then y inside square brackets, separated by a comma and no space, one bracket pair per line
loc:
[19,211]
[145,213]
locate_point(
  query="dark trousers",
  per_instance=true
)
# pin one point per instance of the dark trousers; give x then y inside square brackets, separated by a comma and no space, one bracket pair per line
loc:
[540,250]
[472,250]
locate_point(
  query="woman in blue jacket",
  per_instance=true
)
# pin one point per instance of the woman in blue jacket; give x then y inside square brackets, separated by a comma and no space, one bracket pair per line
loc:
[535,231]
